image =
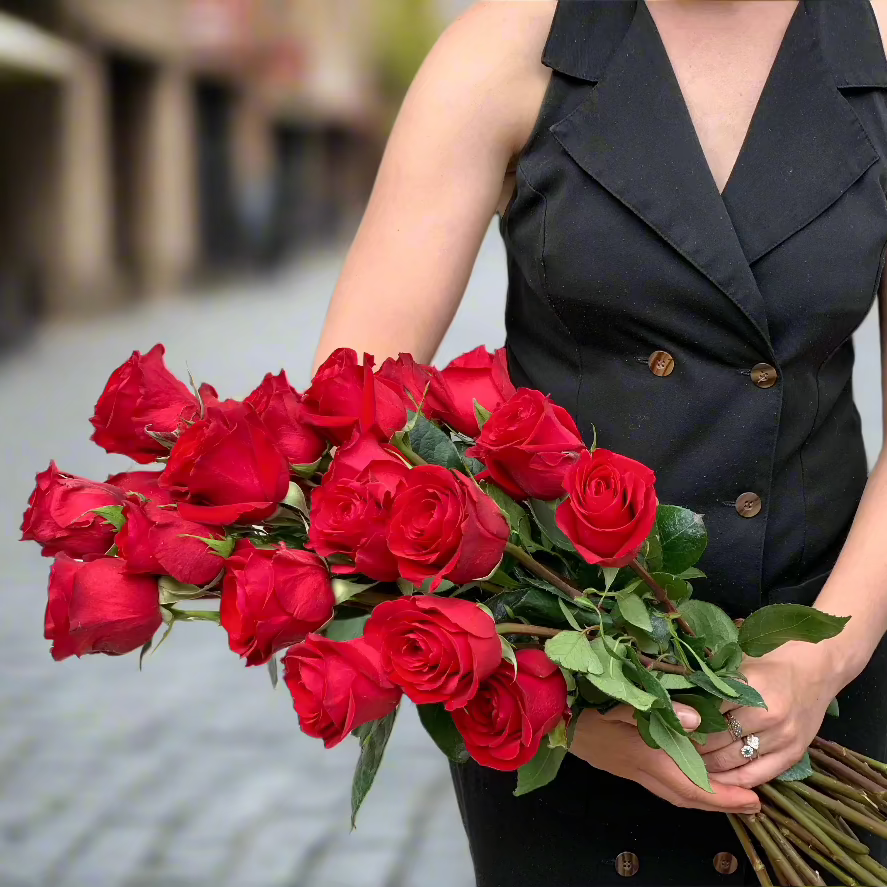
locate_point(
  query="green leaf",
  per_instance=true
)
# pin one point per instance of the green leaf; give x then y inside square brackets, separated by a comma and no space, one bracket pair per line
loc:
[643,721]
[558,737]
[682,535]
[482,414]
[613,681]
[740,693]
[651,685]
[295,498]
[802,770]
[675,682]
[610,573]
[434,445]
[680,749]
[508,653]
[343,590]
[541,770]
[572,650]
[346,629]
[112,514]
[272,671]
[544,512]
[710,623]
[677,589]
[773,626]
[172,591]
[633,609]
[438,723]
[727,658]
[643,639]
[517,517]
[373,740]
[568,615]
[537,607]
[652,551]
[691,573]
[716,680]
[709,710]
[502,579]
[833,709]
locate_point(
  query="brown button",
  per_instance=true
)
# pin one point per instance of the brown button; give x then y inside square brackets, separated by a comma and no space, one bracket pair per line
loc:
[764,375]
[627,864]
[748,504]
[661,363]
[725,863]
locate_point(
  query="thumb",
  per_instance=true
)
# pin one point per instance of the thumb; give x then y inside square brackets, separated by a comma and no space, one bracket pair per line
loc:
[623,713]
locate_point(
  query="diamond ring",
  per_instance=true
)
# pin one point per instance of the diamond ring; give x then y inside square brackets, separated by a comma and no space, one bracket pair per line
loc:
[733,726]
[750,749]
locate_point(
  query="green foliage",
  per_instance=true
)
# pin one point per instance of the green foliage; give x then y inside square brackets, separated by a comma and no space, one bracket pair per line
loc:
[773,626]
[682,536]
[438,723]
[572,650]
[373,740]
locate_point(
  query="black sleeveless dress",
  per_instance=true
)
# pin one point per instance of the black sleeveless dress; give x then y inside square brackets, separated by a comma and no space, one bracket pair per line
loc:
[708,336]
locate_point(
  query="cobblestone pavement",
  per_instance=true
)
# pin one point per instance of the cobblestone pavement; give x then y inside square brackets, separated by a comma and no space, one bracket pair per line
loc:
[194,772]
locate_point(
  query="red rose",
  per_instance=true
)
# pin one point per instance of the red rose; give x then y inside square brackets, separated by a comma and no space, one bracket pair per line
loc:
[435,649]
[479,376]
[350,517]
[99,607]
[611,507]
[337,686]
[505,723]
[61,514]
[229,464]
[343,391]
[528,444]
[156,540]
[272,598]
[414,378]
[362,449]
[444,527]
[279,406]
[145,483]
[142,394]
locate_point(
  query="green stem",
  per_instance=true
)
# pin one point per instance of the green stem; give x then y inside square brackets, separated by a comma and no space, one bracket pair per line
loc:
[410,454]
[827,864]
[795,827]
[197,615]
[662,596]
[777,859]
[658,665]
[825,821]
[527,560]
[874,826]
[850,770]
[808,877]
[836,787]
[750,851]
[520,628]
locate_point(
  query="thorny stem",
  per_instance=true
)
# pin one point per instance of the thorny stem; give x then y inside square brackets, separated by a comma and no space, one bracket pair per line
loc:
[658,665]
[542,571]
[520,628]
[662,596]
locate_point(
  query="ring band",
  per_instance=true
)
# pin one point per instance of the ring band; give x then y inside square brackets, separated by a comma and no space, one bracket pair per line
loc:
[733,726]
[750,750]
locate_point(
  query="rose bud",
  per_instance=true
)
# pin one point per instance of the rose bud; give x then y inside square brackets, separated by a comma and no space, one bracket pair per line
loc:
[61,515]
[350,518]
[337,686]
[611,507]
[230,467]
[479,376]
[362,449]
[336,400]
[145,483]
[272,599]
[414,378]
[158,541]
[504,724]
[279,406]
[527,446]
[435,649]
[98,607]
[142,394]
[444,527]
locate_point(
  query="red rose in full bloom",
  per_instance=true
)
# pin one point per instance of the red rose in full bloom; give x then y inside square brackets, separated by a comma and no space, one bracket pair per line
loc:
[337,686]
[279,406]
[230,467]
[342,391]
[142,394]
[145,483]
[506,721]
[528,444]
[444,527]
[60,514]
[477,375]
[98,607]
[158,541]
[350,517]
[435,649]
[611,507]
[272,599]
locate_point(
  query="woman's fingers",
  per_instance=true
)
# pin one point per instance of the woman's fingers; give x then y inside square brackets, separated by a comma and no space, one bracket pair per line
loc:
[681,792]
[687,715]
[729,757]
[750,720]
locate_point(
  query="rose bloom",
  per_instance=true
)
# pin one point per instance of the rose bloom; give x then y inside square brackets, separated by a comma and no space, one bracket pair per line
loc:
[272,599]
[229,466]
[279,406]
[414,378]
[145,483]
[158,541]
[505,723]
[527,446]
[60,514]
[99,607]
[335,402]
[611,507]
[477,375]
[337,686]
[362,449]
[142,394]
[435,649]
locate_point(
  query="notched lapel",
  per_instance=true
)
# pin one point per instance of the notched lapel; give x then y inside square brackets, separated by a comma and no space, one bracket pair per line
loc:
[634,135]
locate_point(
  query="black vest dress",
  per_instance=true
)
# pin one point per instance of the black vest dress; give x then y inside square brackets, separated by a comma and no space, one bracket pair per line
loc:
[708,336]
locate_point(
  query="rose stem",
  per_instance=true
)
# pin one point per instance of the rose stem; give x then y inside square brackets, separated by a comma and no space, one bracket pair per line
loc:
[541,571]
[521,628]
[373,597]
[823,861]
[197,615]
[846,766]
[750,851]
[657,665]
[835,787]
[835,806]
[785,874]
[410,454]
[874,867]
[809,877]
[880,766]
[817,814]
[661,596]
[791,825]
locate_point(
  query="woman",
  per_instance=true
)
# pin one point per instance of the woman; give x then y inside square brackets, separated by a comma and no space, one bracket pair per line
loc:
[692,198]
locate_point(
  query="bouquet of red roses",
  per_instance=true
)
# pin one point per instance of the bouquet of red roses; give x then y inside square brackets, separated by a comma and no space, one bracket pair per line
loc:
[439,535]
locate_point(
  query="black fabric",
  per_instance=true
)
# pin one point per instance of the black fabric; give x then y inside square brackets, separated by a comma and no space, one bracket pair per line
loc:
[619,244]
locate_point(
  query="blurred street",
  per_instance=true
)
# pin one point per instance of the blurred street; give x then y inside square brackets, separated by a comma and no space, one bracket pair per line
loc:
[194,772]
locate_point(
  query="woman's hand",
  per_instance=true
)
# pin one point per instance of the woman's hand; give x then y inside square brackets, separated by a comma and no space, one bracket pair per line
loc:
[611,742]
[797,681]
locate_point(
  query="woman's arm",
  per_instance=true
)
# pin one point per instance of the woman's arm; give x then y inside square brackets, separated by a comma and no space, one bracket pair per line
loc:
[468,112]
